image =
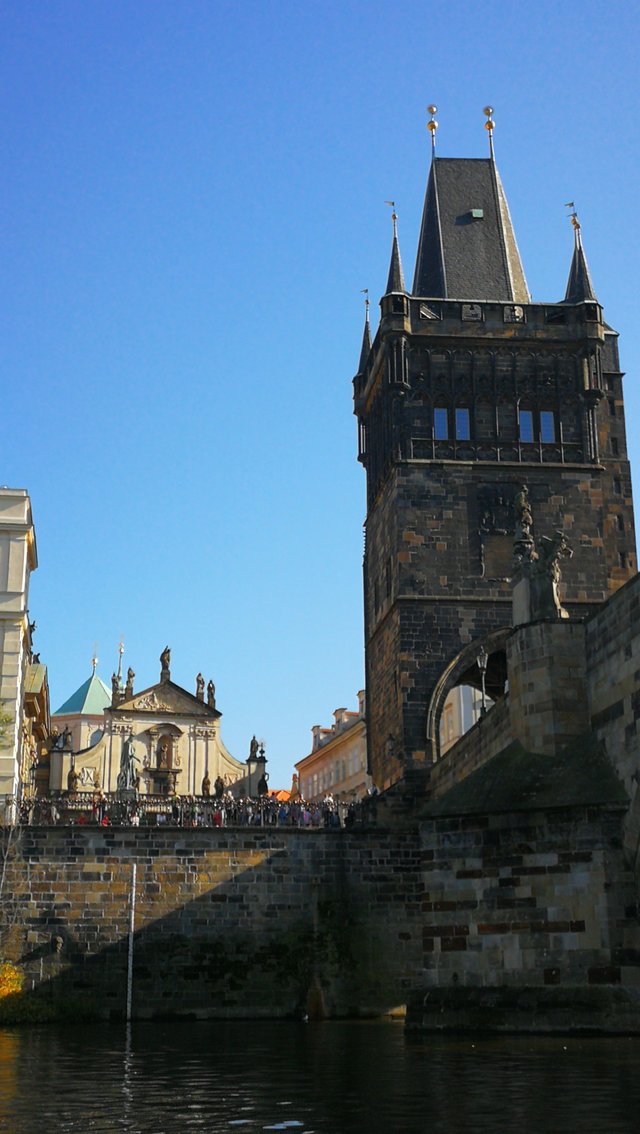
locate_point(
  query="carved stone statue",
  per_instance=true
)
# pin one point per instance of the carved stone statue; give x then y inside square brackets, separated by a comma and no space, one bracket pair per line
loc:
[219,787]
[127,775]
[523,545]
[263,784]
[206,785]
[545,575]
[253,749]
[211,695]
[200,687]
[115,690]
[66,738]
[73,781]
[163,754]
[165,664]
[128,689]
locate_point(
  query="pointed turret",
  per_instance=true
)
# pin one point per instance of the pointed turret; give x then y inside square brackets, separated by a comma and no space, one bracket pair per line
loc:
[579,285]
[395,282]
[467,248]
[366,340]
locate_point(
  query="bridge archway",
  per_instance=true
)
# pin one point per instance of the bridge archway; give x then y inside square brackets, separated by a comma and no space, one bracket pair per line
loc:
[463,670]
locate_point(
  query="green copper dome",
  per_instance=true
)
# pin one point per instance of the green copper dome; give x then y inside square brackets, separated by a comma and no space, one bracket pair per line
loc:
[91,699]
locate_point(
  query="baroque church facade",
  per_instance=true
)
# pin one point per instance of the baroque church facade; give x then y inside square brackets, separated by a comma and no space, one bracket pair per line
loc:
[161,741]
[468,394]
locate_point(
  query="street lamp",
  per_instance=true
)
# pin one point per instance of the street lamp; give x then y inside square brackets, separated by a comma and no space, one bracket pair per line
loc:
[263,780]
[482,660]
[252,764]
[261,771]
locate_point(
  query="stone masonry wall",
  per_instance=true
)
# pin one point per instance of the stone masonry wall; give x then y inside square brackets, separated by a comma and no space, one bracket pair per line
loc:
[526,923]
[613,677]
[524,898]
[547,684]
[238,923]
[227,923]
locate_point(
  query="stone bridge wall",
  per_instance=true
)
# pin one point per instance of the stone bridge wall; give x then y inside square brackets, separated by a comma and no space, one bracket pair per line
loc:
[230,922]
[273,922]
[485,739]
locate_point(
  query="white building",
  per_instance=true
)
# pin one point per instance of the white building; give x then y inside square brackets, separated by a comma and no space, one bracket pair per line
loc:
[18,558]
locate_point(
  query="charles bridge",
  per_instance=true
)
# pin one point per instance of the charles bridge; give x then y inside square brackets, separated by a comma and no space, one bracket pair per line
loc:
[497,888]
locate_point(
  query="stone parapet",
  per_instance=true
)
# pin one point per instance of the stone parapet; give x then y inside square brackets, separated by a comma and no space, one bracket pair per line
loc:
[488,736]
[546,665]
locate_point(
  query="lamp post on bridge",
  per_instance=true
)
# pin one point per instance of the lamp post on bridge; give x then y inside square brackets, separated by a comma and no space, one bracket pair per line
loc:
[482,661]
[263,780]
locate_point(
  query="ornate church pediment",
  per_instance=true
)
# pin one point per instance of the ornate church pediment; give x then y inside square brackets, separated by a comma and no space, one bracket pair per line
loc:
[166,697]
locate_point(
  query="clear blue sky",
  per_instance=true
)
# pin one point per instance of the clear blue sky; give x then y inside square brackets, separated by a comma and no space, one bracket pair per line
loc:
[193,197]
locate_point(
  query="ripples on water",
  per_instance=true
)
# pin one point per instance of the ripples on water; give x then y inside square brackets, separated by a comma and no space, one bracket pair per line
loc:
[341,1077]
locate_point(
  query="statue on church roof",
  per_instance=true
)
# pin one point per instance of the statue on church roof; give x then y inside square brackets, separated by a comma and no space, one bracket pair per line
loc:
[211,695]
[128,689]
[165,664]
[200,687]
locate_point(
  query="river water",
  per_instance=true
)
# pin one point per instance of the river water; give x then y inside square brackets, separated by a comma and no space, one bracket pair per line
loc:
[369,1078]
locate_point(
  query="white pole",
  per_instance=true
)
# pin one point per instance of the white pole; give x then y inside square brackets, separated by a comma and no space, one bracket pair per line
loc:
[132,916]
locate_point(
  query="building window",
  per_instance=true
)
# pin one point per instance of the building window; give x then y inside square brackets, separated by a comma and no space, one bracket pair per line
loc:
[617,486]
[612,407]
[547,426]
[620,523]
[388,578]
[615,449]
[462,425]
[440,423]
[622,556]
[526,426]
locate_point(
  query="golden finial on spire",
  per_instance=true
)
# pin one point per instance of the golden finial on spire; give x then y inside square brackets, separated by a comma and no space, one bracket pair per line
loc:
[95,659]
[394,216]
[365,291]
[490,127]
[432,126]
[573,217]
[120,653]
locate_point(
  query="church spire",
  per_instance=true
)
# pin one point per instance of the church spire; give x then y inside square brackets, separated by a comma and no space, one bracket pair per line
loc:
[579,285]
[366,334]
[395,281]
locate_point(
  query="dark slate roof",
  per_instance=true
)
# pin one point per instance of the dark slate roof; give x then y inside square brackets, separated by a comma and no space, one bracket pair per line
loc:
[395,282]
[366,344]
[517,780]
[461,256]
[579,285]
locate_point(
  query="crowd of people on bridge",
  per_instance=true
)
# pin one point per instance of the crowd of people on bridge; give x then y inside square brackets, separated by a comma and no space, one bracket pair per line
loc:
[102,809]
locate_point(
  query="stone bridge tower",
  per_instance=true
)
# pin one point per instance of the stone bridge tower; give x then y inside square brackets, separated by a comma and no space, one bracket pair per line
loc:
[467,392]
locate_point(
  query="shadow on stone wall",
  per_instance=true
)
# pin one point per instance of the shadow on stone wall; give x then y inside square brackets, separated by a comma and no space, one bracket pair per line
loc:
[227,924]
